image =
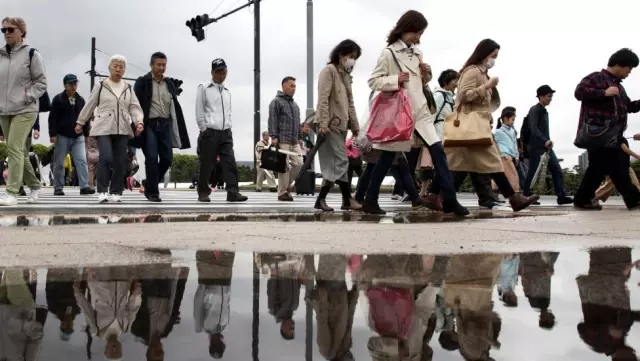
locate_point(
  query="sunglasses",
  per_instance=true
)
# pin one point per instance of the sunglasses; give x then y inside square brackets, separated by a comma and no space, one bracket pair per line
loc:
[8,30]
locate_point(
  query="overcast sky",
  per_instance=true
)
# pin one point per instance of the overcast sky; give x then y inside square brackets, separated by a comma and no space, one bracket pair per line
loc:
[543,42]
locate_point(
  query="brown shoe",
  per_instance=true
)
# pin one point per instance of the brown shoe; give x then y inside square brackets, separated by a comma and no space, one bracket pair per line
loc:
[321,204]
[519,202]
[433,202]
[351,205]
[285,198]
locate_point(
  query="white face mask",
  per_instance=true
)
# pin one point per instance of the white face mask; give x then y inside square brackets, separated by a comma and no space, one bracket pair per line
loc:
[490,63]
[349,64]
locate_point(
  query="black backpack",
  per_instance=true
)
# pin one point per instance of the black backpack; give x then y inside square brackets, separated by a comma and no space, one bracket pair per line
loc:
[525,132]
[45,103]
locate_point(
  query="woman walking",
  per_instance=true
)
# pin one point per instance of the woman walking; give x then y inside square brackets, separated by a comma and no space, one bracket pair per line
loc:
[400,65]
[116,107]
[477,93]
[506,139]
[22,82]
[334,117]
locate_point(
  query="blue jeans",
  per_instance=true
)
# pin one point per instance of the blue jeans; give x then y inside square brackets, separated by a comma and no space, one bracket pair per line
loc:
[157,144]
[535,155]
[76,146]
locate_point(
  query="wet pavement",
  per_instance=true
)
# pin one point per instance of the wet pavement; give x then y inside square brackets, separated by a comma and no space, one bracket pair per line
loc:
[192,305]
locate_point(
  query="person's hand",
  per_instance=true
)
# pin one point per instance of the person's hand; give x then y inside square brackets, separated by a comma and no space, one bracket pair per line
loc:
[139,129]
[636,136]
[425,68]
[78,129]
[403,78]
[548,144]
[492,83]
[611,91]
[324,130]
[1,138]
[274,142]
[36,134]
[52,140]
[137,288]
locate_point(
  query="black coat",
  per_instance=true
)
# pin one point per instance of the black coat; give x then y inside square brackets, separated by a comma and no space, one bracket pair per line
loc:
[144,91]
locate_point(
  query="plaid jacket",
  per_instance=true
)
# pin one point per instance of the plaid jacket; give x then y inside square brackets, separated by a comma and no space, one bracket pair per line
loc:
[596,106]
[284,119]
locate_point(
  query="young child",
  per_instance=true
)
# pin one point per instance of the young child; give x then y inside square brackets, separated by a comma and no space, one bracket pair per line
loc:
[506,139]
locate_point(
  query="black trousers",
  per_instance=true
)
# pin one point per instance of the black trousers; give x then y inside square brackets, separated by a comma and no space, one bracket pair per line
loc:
[355,166]
[482,184]
[607,162]
[112,163]
[214,143]
[412,156]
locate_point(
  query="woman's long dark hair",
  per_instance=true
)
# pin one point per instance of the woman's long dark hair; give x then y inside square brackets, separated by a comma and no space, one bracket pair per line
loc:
[410,22]
[482,51]
[507,113]
[345,47]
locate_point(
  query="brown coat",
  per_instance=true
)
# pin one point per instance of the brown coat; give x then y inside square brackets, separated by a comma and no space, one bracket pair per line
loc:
[474,97]
[335,100]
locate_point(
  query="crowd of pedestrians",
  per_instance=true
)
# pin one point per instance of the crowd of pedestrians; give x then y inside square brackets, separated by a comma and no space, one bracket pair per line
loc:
[103,132]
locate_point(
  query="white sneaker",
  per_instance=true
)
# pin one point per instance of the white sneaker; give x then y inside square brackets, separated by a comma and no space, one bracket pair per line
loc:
[34,196]
[115,198]
[8,201]
[103,198]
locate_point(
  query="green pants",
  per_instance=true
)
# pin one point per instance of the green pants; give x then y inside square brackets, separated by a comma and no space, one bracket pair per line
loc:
[14,289]
[16,129]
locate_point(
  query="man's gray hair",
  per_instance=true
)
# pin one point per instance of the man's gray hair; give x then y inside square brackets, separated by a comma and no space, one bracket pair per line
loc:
[115,58]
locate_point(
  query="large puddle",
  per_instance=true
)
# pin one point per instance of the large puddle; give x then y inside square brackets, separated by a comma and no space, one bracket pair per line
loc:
[573,305]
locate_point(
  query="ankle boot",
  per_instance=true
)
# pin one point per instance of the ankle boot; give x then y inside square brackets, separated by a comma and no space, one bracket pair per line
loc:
[519,202]
[453,206]
[350,205]
[372,208]
[321,204]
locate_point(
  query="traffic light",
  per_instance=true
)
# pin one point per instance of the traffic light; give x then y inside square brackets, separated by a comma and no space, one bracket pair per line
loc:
[177,84]
[197,25]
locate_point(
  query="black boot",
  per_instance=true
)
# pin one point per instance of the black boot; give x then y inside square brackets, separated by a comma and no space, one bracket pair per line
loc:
[370,207]
[453,206]
[321,202]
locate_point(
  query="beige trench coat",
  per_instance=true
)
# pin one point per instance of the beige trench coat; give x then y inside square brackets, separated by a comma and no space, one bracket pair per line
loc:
[385,78]
[113,115]
[474,97]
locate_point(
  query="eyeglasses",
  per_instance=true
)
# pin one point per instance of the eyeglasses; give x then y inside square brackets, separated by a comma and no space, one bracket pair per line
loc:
[8,30]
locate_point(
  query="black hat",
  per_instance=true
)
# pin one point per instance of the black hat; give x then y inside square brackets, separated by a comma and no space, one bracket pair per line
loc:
[218,64]
[544,90]
[70,79]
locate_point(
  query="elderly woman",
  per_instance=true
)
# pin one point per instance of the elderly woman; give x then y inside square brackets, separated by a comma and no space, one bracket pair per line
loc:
[116,107]
[334,117]
[400,65]
[22,82]
[477,93]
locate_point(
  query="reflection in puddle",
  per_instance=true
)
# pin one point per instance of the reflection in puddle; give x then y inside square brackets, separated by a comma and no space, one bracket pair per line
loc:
[409,217]
[277,306]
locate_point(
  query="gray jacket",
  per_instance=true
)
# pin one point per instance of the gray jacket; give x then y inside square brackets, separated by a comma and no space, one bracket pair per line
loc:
[21,83]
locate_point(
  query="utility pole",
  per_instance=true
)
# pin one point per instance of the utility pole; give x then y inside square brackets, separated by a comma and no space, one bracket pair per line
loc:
[310,77]
[197,25]
[93,63]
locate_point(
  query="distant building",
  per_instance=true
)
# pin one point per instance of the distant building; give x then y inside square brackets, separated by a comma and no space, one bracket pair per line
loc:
[583,161]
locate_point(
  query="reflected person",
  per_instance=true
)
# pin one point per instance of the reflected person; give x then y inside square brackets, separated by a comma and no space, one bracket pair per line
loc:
[61,301]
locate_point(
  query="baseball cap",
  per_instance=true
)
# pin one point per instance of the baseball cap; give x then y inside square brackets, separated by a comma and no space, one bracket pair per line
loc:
[265,133]
[544,90]
[69,79]
[218,64]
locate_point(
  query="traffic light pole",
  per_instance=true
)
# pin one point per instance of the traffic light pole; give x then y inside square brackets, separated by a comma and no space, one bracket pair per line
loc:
[310,76]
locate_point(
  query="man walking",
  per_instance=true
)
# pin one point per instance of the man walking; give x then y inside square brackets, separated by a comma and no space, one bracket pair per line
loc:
[540,143]
[605,99]
[284,128]
[65,108]
[263,173]
[213,115]
[164,126]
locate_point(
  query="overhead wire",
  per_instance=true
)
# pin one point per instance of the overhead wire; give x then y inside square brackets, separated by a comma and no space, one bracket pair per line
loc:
[128,62]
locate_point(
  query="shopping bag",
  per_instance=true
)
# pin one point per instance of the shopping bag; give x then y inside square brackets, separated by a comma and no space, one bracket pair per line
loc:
[390,311]
[390,118]
[274,160]
[362,142]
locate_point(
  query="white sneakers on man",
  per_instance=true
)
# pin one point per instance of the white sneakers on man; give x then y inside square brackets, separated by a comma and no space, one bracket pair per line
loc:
[103,198]
[8,200]
[115,198]
[34,196]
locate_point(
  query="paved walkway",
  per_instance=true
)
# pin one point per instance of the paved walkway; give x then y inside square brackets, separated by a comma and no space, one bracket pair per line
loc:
[181,201]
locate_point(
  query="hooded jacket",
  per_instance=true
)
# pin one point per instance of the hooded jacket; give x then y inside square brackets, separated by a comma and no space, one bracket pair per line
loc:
[22,80]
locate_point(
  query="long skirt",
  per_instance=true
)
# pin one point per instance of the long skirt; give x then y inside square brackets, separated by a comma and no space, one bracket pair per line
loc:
[334,163]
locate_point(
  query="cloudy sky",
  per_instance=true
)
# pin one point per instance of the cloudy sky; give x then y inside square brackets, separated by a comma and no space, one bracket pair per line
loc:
[543,42]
